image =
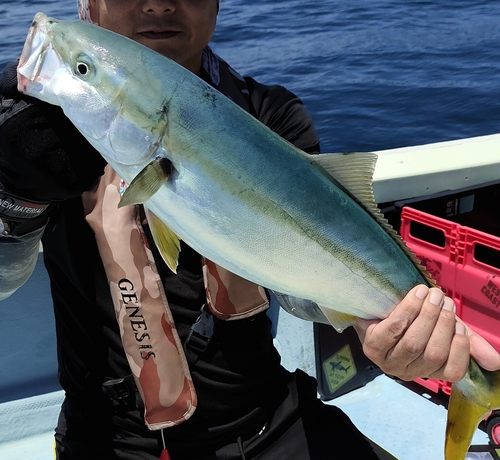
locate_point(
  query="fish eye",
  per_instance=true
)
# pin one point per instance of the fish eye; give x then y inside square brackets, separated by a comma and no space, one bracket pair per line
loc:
[83,67]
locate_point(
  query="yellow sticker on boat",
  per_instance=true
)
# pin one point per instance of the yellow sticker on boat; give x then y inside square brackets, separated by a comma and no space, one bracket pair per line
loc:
[339,368]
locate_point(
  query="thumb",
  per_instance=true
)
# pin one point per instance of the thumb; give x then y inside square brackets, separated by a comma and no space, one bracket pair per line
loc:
[483,353]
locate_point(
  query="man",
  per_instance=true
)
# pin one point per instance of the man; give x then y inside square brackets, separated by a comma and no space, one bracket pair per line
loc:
[228,397]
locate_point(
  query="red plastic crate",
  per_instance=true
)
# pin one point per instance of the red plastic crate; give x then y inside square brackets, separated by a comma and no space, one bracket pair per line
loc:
[465,264]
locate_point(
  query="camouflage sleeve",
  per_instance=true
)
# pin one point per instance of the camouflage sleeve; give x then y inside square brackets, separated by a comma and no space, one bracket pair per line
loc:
[18,256]
[284,113]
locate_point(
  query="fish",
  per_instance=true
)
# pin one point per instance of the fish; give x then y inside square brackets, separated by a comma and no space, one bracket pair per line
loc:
[305,227]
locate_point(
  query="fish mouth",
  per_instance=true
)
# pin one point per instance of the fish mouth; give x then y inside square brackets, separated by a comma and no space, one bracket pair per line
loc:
[33,56]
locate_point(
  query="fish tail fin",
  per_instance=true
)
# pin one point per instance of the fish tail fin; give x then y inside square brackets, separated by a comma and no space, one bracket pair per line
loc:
[472,399]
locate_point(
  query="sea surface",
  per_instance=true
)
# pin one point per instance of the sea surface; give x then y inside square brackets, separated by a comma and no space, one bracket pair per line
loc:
[374,75]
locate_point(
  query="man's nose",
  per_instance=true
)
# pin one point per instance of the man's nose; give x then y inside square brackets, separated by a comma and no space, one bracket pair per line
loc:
[158,6]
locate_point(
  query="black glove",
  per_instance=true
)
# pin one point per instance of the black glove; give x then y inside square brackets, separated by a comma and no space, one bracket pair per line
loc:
[43,157]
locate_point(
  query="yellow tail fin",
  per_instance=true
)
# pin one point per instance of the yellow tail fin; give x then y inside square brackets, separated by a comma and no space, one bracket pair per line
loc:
[471,400]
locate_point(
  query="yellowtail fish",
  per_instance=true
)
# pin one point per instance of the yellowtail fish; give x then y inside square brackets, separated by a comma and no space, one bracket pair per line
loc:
[304,226]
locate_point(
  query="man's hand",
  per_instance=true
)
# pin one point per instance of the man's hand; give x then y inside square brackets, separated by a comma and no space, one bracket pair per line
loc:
[42,155]
[422,337]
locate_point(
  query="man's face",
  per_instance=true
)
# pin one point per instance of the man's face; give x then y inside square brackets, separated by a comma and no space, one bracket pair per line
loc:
[178,29]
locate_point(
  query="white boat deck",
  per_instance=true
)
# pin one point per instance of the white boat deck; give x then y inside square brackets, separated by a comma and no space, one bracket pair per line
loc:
[409,425]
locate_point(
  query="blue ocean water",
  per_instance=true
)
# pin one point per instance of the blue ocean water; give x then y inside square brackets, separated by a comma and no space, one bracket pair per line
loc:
[374,75]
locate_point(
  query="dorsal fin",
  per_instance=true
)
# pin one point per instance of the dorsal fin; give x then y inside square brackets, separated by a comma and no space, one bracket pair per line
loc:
[354,172]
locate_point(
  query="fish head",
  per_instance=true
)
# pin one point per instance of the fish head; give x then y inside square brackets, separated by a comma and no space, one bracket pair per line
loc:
[80,67]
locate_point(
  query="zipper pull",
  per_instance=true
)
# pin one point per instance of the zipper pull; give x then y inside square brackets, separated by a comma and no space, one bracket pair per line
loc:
[165,455]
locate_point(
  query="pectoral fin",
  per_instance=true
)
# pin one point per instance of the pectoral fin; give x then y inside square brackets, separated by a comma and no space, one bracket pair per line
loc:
[166,241]
[473,398]
[338,320]
[147,182]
